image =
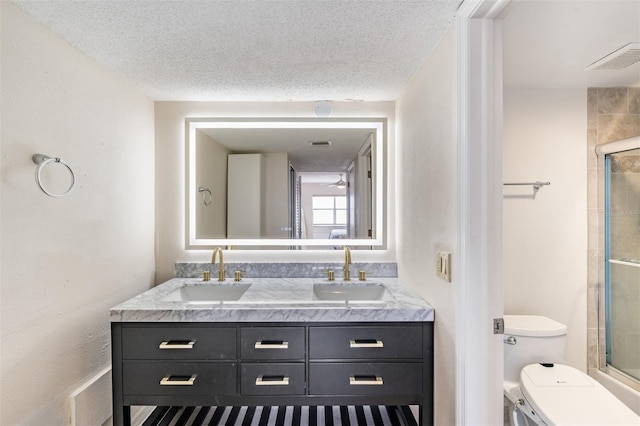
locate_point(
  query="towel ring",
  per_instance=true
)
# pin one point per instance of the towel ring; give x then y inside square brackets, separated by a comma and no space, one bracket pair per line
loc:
[42,160]
[206,199]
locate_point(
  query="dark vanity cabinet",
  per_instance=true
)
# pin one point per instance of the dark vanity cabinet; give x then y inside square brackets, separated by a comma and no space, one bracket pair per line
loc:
[248,364]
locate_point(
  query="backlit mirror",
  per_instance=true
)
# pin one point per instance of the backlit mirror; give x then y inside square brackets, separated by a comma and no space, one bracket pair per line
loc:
[285,183]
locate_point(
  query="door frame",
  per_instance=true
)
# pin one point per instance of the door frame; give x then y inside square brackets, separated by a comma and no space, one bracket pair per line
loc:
[479,296]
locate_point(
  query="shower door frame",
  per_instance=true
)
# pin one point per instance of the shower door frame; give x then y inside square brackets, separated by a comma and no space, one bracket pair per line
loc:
[604,316]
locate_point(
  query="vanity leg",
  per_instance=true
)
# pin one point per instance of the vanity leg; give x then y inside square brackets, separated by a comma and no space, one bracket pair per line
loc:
[127,415]
[121,413]
[427,406]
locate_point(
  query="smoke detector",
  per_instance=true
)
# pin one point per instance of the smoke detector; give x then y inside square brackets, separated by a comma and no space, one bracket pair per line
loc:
[622,58]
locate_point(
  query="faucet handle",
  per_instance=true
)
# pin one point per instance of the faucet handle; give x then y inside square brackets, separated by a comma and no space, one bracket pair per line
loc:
[206,275]
[331,275]
[238,275]
[362,275]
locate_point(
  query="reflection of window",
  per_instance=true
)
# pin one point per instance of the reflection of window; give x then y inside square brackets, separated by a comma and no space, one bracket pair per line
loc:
[329,210]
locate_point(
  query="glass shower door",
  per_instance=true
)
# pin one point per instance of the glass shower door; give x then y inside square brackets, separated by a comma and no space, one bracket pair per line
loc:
[622,256]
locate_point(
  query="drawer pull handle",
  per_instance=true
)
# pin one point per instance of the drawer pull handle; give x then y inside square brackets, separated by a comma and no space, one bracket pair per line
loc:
[271,344]
[177,344]
[272,381]
[366,380]
[365,343]
[178,380]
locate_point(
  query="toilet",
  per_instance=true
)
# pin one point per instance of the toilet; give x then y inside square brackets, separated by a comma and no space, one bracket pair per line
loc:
[542,390]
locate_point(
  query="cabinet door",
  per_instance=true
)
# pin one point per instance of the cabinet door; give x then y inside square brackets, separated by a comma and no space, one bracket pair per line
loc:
[179,378]
[360,378]
[272,379]
[270,343]
[193,343]
[386,342]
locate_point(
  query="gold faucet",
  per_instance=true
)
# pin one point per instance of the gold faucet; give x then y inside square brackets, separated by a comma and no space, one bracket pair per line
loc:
[221,265]
[347,261]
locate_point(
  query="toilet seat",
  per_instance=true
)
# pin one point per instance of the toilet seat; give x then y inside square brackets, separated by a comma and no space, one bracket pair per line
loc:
[563,395]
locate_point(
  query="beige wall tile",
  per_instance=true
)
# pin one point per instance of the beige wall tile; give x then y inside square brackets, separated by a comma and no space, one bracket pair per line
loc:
[613,127]
[592,348]
[613,100]
[592,108]
[592,157]
[592,273]
[634,100]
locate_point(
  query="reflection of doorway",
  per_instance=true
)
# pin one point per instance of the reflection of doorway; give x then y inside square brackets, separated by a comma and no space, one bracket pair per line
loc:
[351,201]
[363,191]
[320,208]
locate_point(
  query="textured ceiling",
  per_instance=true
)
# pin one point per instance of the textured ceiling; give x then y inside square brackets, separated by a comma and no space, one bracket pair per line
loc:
[257,50]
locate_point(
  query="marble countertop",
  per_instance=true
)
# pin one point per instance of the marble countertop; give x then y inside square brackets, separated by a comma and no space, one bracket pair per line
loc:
[274,300]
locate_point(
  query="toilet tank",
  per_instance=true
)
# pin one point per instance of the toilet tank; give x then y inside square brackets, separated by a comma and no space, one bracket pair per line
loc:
[531,339]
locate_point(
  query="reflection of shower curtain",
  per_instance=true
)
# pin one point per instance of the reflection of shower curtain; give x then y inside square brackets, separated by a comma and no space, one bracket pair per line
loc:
[622,252]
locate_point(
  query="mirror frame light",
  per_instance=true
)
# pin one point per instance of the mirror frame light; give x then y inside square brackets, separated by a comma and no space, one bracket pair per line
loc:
[377,125]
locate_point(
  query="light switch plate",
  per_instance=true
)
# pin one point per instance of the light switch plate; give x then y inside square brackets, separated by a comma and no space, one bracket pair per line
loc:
[443,265]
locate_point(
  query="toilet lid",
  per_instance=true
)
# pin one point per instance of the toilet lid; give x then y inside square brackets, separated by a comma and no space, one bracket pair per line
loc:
[562,395]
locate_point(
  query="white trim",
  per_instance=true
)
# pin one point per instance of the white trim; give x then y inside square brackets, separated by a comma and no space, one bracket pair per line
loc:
[634,264]
[618,146]
[93,390]
[479,296]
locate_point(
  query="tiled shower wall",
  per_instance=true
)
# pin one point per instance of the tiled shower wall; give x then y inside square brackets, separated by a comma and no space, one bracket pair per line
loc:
[612,114]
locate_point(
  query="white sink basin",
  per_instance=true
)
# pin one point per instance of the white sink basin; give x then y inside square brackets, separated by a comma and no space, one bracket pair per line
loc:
[207,293]
[348,291]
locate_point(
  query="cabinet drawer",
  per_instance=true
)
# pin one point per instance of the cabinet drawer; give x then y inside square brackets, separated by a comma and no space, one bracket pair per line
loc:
[178,378]
[272,379]
[365,378]
[266,343]
[192,343]
[386,342]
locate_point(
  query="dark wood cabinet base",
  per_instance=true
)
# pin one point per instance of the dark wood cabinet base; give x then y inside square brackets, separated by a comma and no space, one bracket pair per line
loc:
[272,365]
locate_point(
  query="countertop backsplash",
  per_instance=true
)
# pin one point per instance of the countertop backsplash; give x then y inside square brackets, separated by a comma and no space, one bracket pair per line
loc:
[287,270]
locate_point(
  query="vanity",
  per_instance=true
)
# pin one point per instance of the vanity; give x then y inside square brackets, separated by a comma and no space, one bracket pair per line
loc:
[273,342]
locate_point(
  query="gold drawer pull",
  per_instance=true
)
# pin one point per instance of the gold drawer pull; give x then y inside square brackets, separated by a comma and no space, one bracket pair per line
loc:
[366,380]
[177,344]
[271,344]
[178,380]
[272,381]
[365,343]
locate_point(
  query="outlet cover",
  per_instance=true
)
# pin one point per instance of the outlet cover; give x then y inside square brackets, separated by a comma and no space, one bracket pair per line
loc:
[443,265]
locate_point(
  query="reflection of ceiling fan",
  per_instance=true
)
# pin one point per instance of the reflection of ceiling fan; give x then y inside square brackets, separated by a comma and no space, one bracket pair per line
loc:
[340,184]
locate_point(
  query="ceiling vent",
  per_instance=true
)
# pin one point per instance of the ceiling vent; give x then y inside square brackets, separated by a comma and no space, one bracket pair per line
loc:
[619,59]
[320,144]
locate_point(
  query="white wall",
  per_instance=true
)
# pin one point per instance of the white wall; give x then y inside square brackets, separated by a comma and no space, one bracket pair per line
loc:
[211,168]
[170,184]
[246,196]
[426,203]
[545,238]
[66,261]
[277,194]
